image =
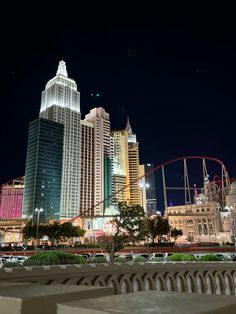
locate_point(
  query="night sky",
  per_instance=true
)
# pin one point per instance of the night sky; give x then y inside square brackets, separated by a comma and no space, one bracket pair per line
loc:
[171,70]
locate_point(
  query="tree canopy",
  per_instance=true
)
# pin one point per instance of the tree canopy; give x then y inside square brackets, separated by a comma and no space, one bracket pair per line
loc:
[127,226]
[129,221]
[175,233]
[54,231]
[156,226]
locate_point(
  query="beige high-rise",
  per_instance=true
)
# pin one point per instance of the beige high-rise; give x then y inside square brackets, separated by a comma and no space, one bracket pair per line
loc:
[126,166]
[103,159]
[133,157]
[121,166]
[86,167]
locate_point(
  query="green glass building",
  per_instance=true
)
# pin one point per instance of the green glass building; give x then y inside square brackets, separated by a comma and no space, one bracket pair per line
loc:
[107,181]
[43,170]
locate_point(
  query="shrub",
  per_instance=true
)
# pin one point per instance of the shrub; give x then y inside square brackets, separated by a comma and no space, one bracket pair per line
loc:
[178,257]
[209,258]
[140,259]
[100,259]
[54,258]
[119,259]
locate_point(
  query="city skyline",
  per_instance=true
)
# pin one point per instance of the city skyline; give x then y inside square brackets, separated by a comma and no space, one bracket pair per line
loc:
[173,78]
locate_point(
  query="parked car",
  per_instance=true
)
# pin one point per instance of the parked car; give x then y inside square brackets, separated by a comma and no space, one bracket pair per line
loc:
[9,258]
[87,256]
[18,248]
[221,257]
[145,255]
[161,256]
[128,257]
[2,261]
[21,259]
[100,255]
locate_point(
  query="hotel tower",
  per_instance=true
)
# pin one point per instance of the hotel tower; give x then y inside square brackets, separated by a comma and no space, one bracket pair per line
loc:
[133,153]
[61,103]
[103,159]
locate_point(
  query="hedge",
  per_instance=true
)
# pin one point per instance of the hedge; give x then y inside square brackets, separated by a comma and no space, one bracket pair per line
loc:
[178,257]
[54,258]
[209,258]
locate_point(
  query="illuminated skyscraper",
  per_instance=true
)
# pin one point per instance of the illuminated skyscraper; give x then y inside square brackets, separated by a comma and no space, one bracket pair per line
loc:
[133,152]
[43,169]
[11,199]
[87,167]
[151,197]
[61,103]
[121,165]
[103,158]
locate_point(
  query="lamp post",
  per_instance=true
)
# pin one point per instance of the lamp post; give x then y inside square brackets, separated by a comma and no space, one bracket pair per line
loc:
[38,211]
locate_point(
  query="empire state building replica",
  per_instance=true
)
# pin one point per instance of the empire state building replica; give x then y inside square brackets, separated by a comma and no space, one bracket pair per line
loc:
[61,103]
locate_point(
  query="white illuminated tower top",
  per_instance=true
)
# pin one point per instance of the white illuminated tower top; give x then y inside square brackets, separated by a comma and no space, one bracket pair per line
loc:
[131,136]
[62,68]
[61,91]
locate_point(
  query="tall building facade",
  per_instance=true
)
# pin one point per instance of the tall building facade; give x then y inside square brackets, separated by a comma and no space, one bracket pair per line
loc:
[121,166]
[43,170]
[11,199]
[87,167]
[133,153]
[150,187]
[102,158]
[61,103]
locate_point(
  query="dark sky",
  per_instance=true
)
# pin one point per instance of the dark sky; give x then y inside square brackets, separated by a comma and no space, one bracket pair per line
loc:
[170,69]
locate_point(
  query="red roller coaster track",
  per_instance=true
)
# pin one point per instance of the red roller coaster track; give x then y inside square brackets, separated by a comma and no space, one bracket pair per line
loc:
[152,171]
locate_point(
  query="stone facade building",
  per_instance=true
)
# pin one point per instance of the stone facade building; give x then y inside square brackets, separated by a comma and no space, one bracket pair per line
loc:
[207,219]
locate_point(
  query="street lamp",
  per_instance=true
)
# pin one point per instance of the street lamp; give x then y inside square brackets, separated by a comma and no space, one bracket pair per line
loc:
[37,210]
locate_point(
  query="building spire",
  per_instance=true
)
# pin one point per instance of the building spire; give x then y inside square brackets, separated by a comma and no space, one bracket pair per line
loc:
[128,127]
[62,68]
[131,135]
